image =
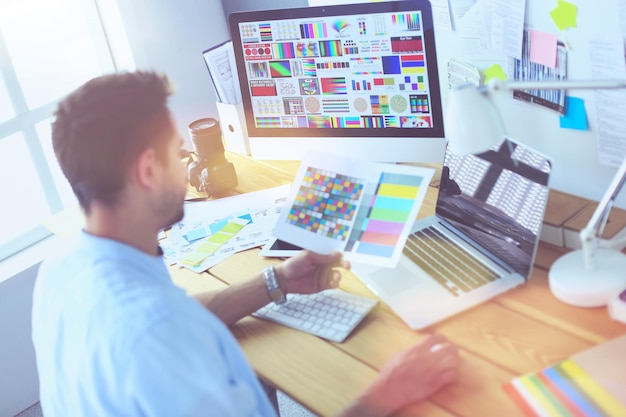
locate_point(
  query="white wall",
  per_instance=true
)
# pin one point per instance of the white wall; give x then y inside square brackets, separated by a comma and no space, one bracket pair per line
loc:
[244,5]
[19,384]
[169,37]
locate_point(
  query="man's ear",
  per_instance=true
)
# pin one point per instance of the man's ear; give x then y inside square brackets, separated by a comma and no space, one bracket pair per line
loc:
[146,169]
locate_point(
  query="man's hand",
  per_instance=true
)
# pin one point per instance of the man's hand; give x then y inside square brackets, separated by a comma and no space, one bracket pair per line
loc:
[309,272]
[408,378]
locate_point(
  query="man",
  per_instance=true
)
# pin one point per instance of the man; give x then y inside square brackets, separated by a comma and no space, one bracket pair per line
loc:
[113,336]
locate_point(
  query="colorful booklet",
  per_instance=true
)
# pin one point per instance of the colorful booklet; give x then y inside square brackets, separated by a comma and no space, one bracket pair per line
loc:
[363,209]
[590,383]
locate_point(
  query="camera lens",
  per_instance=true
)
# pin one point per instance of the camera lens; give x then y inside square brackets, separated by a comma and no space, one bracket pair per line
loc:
[211,172]
[206,138]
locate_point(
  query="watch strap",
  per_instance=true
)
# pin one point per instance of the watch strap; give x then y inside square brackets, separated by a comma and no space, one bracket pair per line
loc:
[273,287]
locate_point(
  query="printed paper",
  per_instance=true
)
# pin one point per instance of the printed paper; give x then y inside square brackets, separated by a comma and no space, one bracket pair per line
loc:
[363,209]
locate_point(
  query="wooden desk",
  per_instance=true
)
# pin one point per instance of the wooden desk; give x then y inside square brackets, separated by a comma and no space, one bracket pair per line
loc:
[521,331]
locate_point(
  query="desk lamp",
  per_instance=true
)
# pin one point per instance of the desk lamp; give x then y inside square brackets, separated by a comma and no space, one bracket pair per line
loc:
[588,277]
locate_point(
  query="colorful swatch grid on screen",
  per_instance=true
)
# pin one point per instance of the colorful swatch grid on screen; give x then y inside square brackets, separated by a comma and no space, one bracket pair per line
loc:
[371,64]
[326,203]
[408,21]
[382,215]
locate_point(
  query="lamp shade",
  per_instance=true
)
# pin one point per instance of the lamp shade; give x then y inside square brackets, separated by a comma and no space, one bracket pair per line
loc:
[472,122]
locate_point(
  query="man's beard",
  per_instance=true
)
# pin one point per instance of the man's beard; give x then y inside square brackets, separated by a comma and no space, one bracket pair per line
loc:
[177,217]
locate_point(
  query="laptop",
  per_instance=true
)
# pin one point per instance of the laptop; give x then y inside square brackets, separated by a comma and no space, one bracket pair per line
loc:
[481,241]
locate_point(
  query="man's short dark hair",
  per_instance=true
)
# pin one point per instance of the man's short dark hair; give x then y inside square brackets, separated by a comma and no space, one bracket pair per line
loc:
[101,128]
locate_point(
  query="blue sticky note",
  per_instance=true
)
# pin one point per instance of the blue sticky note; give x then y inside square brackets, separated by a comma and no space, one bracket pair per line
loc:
[575,116]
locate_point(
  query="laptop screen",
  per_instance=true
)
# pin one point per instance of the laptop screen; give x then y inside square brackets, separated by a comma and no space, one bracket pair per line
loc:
[497,199]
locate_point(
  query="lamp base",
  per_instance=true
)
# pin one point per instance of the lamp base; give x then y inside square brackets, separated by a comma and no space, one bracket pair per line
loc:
[573,284]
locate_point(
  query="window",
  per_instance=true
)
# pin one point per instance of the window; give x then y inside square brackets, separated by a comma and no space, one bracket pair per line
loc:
[47,49]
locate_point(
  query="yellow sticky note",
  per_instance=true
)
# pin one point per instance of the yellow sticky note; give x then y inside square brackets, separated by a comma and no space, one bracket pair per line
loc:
[495,71]
[564,15]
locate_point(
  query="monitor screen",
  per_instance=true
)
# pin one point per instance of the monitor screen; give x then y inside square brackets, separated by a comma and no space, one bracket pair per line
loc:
[361,80]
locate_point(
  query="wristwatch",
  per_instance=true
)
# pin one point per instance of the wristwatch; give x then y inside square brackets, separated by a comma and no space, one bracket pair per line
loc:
[273,287]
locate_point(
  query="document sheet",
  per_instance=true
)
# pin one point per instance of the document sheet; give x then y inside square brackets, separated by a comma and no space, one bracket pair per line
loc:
[363,209]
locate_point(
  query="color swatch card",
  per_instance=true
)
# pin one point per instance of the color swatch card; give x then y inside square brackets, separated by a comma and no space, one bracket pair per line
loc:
[363,209]
[590,383]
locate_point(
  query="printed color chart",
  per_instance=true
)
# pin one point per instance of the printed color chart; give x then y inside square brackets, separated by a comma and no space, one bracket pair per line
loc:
[382,216]
[564,389]
[363,209]
[589,383]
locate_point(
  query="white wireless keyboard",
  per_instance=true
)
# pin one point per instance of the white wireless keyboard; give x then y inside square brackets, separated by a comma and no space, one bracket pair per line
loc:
[331,314]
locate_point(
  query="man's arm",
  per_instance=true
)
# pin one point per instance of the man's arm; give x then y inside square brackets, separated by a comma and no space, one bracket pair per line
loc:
[305,273]
[407,378]
[237,300]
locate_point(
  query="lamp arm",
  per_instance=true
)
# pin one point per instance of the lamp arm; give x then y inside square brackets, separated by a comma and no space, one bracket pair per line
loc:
[496,84]
[592,232]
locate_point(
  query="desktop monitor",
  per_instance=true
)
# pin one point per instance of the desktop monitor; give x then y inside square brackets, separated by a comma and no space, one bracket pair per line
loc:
[357,80]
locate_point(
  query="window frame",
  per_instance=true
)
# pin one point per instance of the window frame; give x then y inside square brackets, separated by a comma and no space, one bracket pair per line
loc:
[25,120]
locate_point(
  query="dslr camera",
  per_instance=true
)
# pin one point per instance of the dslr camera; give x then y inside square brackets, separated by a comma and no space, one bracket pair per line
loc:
[210,172]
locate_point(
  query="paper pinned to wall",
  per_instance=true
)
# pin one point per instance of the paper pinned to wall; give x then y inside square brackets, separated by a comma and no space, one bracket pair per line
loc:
[441,15]
[621,5]
[507,25]
[607,62]
[460,7]
[491,28]
[460,73]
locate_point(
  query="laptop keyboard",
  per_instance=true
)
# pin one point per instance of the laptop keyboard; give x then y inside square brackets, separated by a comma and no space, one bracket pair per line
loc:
[331,314]
[447,262]
[518,260]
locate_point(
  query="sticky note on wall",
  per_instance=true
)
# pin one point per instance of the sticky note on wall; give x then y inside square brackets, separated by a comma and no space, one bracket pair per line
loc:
[543,48]
[494,71]
[575,116]
[564,15]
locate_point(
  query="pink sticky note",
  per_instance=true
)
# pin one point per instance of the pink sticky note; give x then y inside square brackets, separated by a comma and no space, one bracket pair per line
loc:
[543,48]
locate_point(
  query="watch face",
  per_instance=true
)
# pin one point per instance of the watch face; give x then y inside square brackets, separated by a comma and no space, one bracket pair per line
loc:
[280,299]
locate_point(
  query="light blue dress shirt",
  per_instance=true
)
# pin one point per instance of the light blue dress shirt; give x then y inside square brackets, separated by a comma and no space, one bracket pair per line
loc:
[114,337]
